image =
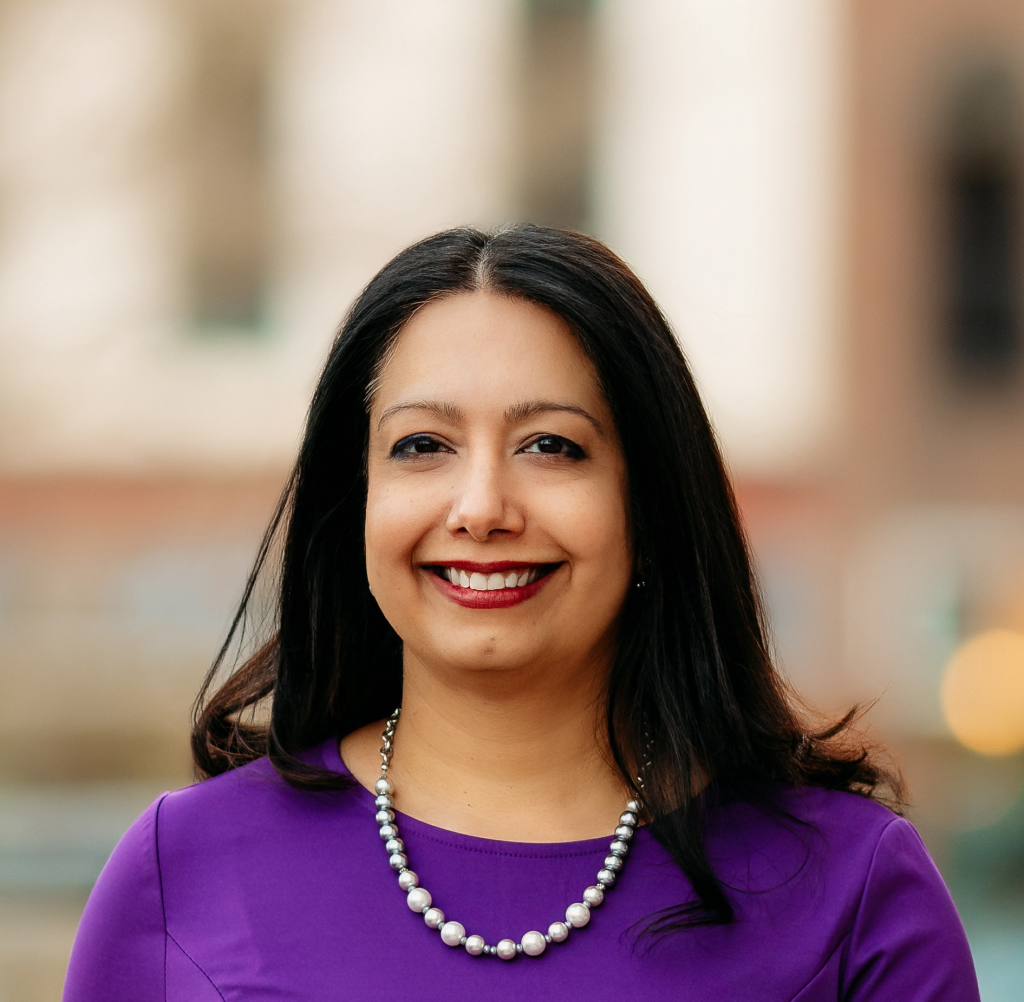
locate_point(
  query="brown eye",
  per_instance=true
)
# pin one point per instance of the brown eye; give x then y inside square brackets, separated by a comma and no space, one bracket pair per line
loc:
[418,445]
[555,445]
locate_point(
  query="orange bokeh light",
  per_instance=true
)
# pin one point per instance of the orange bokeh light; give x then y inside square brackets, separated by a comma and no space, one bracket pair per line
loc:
[983,693]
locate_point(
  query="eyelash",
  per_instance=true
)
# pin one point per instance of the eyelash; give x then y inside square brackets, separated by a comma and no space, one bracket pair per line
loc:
[403,449]
[570,449]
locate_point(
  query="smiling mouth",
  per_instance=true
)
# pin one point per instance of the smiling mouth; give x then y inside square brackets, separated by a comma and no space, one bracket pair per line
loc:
[496,580]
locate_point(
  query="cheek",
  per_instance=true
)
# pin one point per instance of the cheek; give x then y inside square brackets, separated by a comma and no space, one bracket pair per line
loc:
[592,525]
[393,524]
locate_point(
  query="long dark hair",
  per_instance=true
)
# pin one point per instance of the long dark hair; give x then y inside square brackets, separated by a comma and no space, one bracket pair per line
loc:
[692,693]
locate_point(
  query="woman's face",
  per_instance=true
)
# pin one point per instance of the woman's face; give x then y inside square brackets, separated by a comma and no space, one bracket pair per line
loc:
[497,534]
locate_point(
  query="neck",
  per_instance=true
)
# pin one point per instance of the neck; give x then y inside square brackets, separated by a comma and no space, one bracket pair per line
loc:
[505,755]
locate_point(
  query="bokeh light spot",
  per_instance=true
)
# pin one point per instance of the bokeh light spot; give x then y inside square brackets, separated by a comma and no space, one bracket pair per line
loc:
[983,693]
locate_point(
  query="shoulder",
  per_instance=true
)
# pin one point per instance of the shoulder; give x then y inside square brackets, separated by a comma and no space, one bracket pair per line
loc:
[251,784]
[812,848]
[851,882]
[239,805]
[847,868]
[221,832]
[119,947]
[834,808]
[856,833]
[829,819]
[907,941]
[210,818]
[134,863]
[844,820]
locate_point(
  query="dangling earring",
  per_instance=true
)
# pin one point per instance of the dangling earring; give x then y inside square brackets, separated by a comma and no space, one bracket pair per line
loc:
[641,581]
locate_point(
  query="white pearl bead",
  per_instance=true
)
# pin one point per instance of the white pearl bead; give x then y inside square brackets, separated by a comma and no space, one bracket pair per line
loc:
[452,933]
[533,944]
[577,915]
[558,931]
[418,899]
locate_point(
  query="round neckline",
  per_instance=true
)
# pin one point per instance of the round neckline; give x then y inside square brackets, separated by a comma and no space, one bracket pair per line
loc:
[471,843]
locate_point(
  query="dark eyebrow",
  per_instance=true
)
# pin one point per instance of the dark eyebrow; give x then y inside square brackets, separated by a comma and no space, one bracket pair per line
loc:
[439,407]
[513,415]
[524,411]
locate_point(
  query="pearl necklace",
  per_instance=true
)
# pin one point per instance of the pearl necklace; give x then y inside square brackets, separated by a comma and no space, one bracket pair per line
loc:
[453,933]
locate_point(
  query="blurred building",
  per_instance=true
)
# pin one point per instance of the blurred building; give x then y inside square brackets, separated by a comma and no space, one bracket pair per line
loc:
[824,195]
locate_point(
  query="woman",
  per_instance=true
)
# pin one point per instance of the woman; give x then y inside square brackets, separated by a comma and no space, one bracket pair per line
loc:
[510,519]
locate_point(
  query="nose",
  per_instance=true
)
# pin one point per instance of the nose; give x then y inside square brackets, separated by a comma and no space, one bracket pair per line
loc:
[483,506]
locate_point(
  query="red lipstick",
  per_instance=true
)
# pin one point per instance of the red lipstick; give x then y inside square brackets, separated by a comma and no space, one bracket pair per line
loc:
[498,598]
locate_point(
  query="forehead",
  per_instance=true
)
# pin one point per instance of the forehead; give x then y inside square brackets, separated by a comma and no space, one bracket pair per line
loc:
[485,345]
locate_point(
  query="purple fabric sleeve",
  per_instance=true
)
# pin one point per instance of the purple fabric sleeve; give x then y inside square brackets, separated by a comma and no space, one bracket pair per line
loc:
[907,941]
[119,952]
[186,980]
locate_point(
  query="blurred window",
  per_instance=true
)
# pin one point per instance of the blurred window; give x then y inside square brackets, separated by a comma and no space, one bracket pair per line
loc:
[227,112]
[556,110]
[984,341]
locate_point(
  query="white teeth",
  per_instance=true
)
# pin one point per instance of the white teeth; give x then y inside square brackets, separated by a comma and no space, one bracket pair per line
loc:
[491,582]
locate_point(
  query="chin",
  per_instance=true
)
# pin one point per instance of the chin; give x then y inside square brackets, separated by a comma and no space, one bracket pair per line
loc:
[490,652]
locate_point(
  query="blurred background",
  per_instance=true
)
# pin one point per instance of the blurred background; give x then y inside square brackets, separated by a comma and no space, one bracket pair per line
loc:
[825,196]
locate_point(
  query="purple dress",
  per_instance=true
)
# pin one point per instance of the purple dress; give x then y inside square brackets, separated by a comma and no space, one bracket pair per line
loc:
[242,888]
